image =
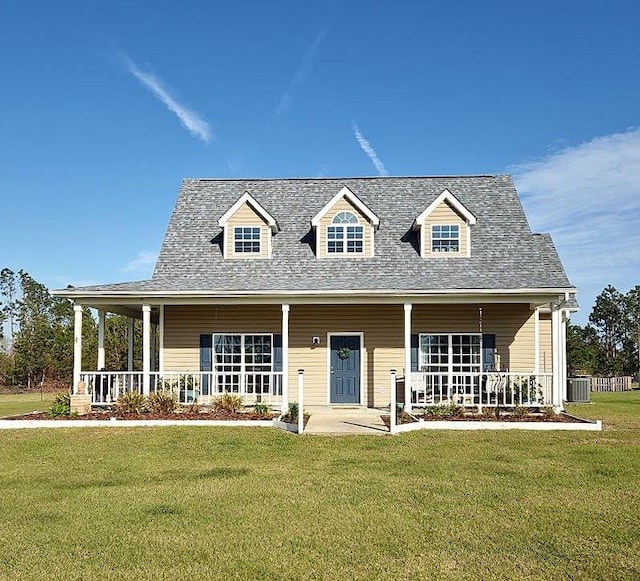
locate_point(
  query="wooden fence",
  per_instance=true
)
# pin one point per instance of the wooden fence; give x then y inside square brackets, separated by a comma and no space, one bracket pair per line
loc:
[610,383]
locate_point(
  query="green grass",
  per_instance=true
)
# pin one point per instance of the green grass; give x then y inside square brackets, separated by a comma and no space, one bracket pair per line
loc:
[244,503]
[23,403]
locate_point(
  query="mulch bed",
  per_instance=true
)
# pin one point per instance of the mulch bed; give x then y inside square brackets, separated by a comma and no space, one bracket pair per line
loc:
[560,418]
[107,415]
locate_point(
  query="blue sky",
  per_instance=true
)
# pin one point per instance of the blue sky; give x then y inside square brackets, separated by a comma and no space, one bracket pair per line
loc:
[106,105]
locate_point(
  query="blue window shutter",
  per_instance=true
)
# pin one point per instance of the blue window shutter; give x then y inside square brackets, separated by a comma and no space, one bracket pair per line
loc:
[488,352]
[206,342]
[414,352]
[277,352]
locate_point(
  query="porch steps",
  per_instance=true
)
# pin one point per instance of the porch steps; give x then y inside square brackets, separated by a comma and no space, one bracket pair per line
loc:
[327,420]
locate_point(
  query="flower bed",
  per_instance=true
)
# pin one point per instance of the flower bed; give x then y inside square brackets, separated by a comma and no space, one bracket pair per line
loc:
[177,415]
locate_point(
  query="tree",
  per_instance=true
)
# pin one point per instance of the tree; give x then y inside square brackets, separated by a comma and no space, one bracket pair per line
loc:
[60,359]
[585,355]
[632,311]
[8,303]
[116,343]
[608,319]
[34,338]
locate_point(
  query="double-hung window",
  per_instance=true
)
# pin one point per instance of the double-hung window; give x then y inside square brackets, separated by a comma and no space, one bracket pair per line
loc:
[344,235]
[445,238]
[243,363]
[452,363]
[246,239]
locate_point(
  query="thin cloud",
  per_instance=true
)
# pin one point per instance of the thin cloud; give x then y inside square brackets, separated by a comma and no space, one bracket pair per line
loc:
[143,263]
[587,197]
[304,68]
[190,120]
[369,151]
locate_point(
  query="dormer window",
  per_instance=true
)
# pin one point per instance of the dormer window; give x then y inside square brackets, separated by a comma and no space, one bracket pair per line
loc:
[445,238]
[246,239]
[347,237]
[444,228]
[247,229]
[345,226]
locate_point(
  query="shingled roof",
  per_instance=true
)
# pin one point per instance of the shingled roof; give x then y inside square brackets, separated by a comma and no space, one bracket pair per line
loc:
[505,254]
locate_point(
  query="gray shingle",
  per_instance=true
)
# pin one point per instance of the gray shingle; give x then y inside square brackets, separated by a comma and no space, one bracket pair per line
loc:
[504,252]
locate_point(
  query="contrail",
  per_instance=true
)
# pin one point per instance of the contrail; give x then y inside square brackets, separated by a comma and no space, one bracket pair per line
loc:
[371,153]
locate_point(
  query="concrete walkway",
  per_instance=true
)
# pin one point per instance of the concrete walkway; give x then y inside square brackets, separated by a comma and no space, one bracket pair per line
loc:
[342,421]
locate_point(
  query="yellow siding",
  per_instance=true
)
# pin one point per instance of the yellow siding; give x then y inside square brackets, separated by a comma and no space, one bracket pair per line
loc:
[445,214]
[343,205]
[544,360]
[382,350]
[247,216]
[183,326]
[383,337]
[513,326]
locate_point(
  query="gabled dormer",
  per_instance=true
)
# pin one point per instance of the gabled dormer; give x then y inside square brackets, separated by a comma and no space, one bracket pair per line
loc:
[247,229]
[345,227]
[444,228]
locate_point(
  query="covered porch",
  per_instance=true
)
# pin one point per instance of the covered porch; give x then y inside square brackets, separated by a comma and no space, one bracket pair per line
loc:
[428,351]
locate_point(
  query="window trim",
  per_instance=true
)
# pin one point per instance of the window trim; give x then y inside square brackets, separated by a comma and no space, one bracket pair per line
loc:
[450,363]
[458,238]
[242,366]
[341,235]
[243,228]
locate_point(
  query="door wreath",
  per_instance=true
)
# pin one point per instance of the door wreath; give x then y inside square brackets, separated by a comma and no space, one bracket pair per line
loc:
[344,353]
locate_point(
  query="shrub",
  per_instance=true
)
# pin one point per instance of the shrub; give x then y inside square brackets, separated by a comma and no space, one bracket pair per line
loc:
[61,405]
[520,412]
[549,414]
[291,417]
[131,402]
[488,412]
[434,411]
[228,402]
[162,402]
[452,410]
[262,408]
[193,408]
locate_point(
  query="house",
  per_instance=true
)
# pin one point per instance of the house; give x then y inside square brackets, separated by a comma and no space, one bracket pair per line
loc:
[350,286]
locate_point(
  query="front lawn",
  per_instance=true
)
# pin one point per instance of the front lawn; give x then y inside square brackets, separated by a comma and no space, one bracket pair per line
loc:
[251,503]
[23,403]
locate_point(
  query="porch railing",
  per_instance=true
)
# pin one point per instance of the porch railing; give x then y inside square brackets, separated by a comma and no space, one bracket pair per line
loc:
[188,386]
[493,389]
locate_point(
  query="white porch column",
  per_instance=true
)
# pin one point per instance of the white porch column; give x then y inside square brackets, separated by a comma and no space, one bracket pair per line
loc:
[407,356]
[130,332]
[161,341]
[563,355]
[285,357]
[146,348]
[77,345]
[556,359]
[101,357]
[536,340]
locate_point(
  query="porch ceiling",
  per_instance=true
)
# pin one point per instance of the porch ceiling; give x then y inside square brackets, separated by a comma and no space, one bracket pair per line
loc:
[133,311]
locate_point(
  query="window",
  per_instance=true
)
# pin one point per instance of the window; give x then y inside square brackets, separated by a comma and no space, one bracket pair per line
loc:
[445,238]
[243,359]
[453,364]
[345,238]
[247,239]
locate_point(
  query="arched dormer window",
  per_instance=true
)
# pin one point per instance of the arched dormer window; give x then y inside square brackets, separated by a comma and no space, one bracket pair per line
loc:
[345,235]
[344,218]
[345,226]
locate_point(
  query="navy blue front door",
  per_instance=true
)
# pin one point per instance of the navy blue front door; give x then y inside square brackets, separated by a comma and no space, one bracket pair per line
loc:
[345,369]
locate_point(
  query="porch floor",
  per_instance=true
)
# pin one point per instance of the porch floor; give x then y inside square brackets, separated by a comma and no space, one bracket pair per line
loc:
[344,420]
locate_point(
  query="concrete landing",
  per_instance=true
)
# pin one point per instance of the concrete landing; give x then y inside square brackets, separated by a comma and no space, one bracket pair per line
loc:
[343,421]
